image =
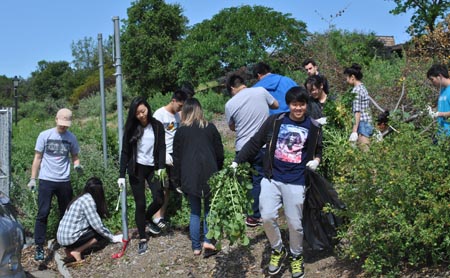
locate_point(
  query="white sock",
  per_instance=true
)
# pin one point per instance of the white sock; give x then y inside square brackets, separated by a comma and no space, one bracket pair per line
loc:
[156,219]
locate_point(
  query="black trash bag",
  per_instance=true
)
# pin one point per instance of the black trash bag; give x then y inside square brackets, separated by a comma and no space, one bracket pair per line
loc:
[319,227]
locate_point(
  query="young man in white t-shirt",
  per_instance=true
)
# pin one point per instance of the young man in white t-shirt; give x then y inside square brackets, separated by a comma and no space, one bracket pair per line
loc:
[170,117]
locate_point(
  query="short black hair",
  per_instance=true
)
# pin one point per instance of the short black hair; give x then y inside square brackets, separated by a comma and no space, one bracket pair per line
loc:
[180,95]
[188,88]
[234,80]
[309,61]
[383,118]
[296,93]
[437,70]
[261,68]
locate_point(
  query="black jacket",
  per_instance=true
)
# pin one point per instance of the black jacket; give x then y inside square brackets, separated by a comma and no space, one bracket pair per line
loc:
[268,134]
[197,155]
[128,155]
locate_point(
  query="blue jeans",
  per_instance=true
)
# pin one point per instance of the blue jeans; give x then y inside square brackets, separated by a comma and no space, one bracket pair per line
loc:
[194,222]
[365,129]
[257,164]
[46,190]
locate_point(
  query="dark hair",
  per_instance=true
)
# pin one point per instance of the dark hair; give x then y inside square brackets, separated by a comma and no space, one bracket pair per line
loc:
[180,95]
[133,129]
[437,70]
[354,70]
[296,93]
[261,68]
[235,81]
[309,61]
[383,118]
[315,80]
[188,88]
[94,186]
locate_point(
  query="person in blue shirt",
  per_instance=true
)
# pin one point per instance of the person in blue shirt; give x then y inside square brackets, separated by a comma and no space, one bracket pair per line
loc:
[438,75]
[276,84]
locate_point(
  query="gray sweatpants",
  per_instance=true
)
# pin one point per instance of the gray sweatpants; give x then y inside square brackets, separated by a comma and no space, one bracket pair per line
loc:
[275,194]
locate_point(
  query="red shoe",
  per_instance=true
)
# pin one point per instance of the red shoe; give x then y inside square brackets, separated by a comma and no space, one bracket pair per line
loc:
[252,221]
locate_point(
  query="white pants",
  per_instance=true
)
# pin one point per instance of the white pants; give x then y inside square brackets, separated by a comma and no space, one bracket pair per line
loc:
[275,194]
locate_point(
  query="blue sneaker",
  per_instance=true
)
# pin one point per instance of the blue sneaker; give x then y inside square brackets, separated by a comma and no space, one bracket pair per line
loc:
[39,255]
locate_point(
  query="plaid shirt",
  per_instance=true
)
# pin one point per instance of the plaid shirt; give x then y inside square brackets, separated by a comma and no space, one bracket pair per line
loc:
[78,219]
[361,103]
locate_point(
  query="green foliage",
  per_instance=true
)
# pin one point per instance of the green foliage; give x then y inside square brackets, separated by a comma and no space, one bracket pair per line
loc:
[236,37]
[397,199]
[92,84]
[230,203]
[151,35]
[425,15]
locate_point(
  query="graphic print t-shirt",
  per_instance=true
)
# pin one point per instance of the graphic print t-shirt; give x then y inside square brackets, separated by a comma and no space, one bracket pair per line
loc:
[171,122]
[56,149]
[290,152]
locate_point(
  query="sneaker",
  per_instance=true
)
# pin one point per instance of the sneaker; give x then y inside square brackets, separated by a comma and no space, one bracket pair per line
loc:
[276,260]
[162,224]
[39,254]
[297,268]
[178,189]
[154,229]
[142,247]
[252,221]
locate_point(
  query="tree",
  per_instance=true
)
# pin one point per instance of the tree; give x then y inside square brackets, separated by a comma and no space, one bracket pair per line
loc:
[152,32]
[236,37]
[426,13]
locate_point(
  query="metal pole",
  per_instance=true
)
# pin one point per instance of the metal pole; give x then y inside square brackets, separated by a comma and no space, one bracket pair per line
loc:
[118,65]
[15,103]
[102,95]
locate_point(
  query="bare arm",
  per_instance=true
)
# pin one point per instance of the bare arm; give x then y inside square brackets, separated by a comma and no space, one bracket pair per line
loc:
[357,120]
[75,159]
[36,164]
[274,105]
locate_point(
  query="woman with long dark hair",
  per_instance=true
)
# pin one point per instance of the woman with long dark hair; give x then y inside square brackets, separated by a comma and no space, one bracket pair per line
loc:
[143,152]
[81,226]
[197,155]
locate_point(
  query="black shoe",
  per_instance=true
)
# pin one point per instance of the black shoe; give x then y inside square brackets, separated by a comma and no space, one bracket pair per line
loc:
[162,224]
[153,228]
[39,254]
[276,260]
[142,247]
[297,268]
[209,252]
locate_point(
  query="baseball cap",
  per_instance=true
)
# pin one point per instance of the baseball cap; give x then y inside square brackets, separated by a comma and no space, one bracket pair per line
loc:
[64,117]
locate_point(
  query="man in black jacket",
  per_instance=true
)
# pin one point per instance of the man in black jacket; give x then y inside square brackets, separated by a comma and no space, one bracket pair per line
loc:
[294,142]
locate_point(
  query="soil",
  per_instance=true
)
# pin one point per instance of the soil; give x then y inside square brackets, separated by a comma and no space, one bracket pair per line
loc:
[169,254]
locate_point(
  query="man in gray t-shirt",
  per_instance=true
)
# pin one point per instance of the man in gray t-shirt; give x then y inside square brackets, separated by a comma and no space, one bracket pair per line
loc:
[245,112]
[53,150]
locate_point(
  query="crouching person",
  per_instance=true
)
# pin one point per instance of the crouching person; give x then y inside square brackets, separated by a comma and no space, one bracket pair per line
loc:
[294,142]
[81,227]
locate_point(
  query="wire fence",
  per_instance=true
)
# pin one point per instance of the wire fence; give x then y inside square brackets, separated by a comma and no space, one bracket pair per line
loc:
[5,149]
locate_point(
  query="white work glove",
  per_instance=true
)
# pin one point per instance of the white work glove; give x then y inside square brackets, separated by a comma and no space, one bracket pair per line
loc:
[117,238]
[121,183]
[312,164]
[353,137]
[432,114]
[379,136]
[169,159]
[234,166]
[322,121]
[32,184]
[79,169]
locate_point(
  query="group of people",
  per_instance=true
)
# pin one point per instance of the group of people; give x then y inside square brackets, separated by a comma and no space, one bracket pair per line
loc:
[278,130]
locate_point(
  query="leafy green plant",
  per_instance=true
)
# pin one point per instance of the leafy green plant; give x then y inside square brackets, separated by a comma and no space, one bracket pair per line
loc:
[230,202]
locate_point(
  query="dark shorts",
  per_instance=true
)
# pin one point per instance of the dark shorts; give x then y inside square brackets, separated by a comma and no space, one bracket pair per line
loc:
[86,237]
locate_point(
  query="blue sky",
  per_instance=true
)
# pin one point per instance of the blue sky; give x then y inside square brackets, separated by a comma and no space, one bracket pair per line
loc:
[44,30]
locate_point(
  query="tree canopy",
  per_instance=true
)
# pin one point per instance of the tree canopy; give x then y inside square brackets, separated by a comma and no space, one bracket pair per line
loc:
[426,13]
[151,34]
[234,38]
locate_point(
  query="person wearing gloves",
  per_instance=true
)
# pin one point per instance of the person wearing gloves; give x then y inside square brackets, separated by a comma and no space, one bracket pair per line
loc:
[51,160]
[317,98]
[294,143]
[362,122]
[439,77]
[197,155]
[143,152]
[169,116]
[82,226]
